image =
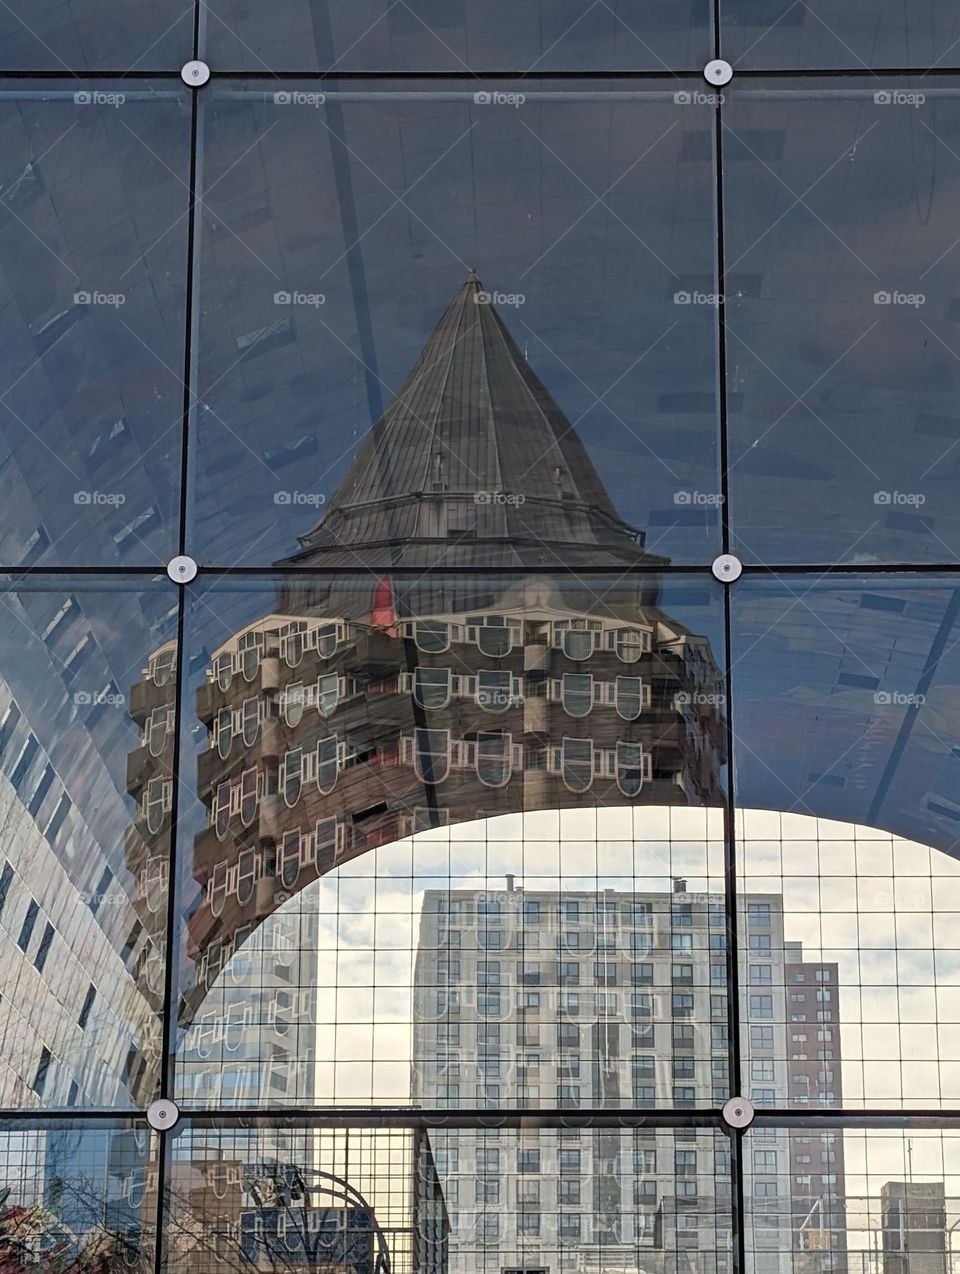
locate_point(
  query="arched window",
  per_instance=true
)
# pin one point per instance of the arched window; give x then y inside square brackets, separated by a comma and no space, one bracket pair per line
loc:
[327,639]
[290,858]
[629,697]
[629,643]
[291,776]
[292,642]
[327,847]
[294,700]
[432,636]
[630,767]
[431,755]
[576,764]
[158,724]
[576,693]
[431,688]
[250,716]
[246,875]
[221,810]
[494,634]
[250,649]
[328,693]
[224,732]
[494,690]
[249,795]
[328,763]
[217,888]
[223,669]
[494,758]
[575,639]
[156,803]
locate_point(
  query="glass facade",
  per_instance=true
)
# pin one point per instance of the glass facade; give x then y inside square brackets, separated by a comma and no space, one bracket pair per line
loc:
[492,882]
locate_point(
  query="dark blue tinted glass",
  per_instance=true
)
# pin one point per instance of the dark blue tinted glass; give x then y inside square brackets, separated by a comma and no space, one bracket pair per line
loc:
[575,367]
[853,34]
[844,701]
[93,233]
[95,35]
[843,345]
[462,35]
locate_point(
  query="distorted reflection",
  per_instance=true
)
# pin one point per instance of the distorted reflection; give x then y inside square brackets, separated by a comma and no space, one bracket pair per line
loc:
[364,706]
[86,788]
[77,1199]
[429,1201]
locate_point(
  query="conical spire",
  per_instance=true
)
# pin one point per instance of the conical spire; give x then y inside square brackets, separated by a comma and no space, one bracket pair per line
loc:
[472,459]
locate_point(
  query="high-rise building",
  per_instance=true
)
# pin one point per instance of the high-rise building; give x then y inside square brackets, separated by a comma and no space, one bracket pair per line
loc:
[814,1077]
[530,998]
[914,1219]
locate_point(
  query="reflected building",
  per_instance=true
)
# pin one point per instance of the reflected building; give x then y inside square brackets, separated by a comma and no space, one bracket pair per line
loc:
[83,876]
[357,1201]
[394,699]
[814,1077]
[914,1217]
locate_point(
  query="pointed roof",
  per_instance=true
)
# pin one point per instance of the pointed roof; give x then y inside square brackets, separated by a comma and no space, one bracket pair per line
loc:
[472,463]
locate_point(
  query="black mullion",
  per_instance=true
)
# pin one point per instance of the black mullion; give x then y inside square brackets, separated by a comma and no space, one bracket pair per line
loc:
[455,74]
[946,1119]
[757,569]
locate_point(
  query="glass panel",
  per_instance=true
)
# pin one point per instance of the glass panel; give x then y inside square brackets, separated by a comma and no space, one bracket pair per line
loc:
[592,312]
[431,687]
[86,794]
[842,357]
[78,1196]
[576,691]
[369,793]
[429,972]
[848,972]
[433,35]
[851,1198]
[92,324]
[466,1199]
[767,34]
[845,700]
[95,35]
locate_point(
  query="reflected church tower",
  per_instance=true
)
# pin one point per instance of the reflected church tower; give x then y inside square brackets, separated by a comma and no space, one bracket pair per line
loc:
[481,647]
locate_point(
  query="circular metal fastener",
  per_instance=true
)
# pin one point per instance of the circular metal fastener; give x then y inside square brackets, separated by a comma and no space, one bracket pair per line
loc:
[182,569]
[727,568]
[718,72]
[163,1115]
[738,1112]
[196,74]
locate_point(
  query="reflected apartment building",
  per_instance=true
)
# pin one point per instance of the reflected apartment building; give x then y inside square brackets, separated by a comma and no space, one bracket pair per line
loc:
[529,999]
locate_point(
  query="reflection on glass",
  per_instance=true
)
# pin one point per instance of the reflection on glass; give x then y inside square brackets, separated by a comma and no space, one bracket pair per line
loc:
[95,35]
[846,701]
[565,404]
[86,789]
[468,968]
[77,1197]
[92,319]
[841,332]
[852,34]
[476,35]
[851,969]
[453,1200]
[843,1198]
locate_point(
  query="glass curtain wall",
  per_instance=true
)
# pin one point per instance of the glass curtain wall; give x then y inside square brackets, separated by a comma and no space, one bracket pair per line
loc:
[480,636]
